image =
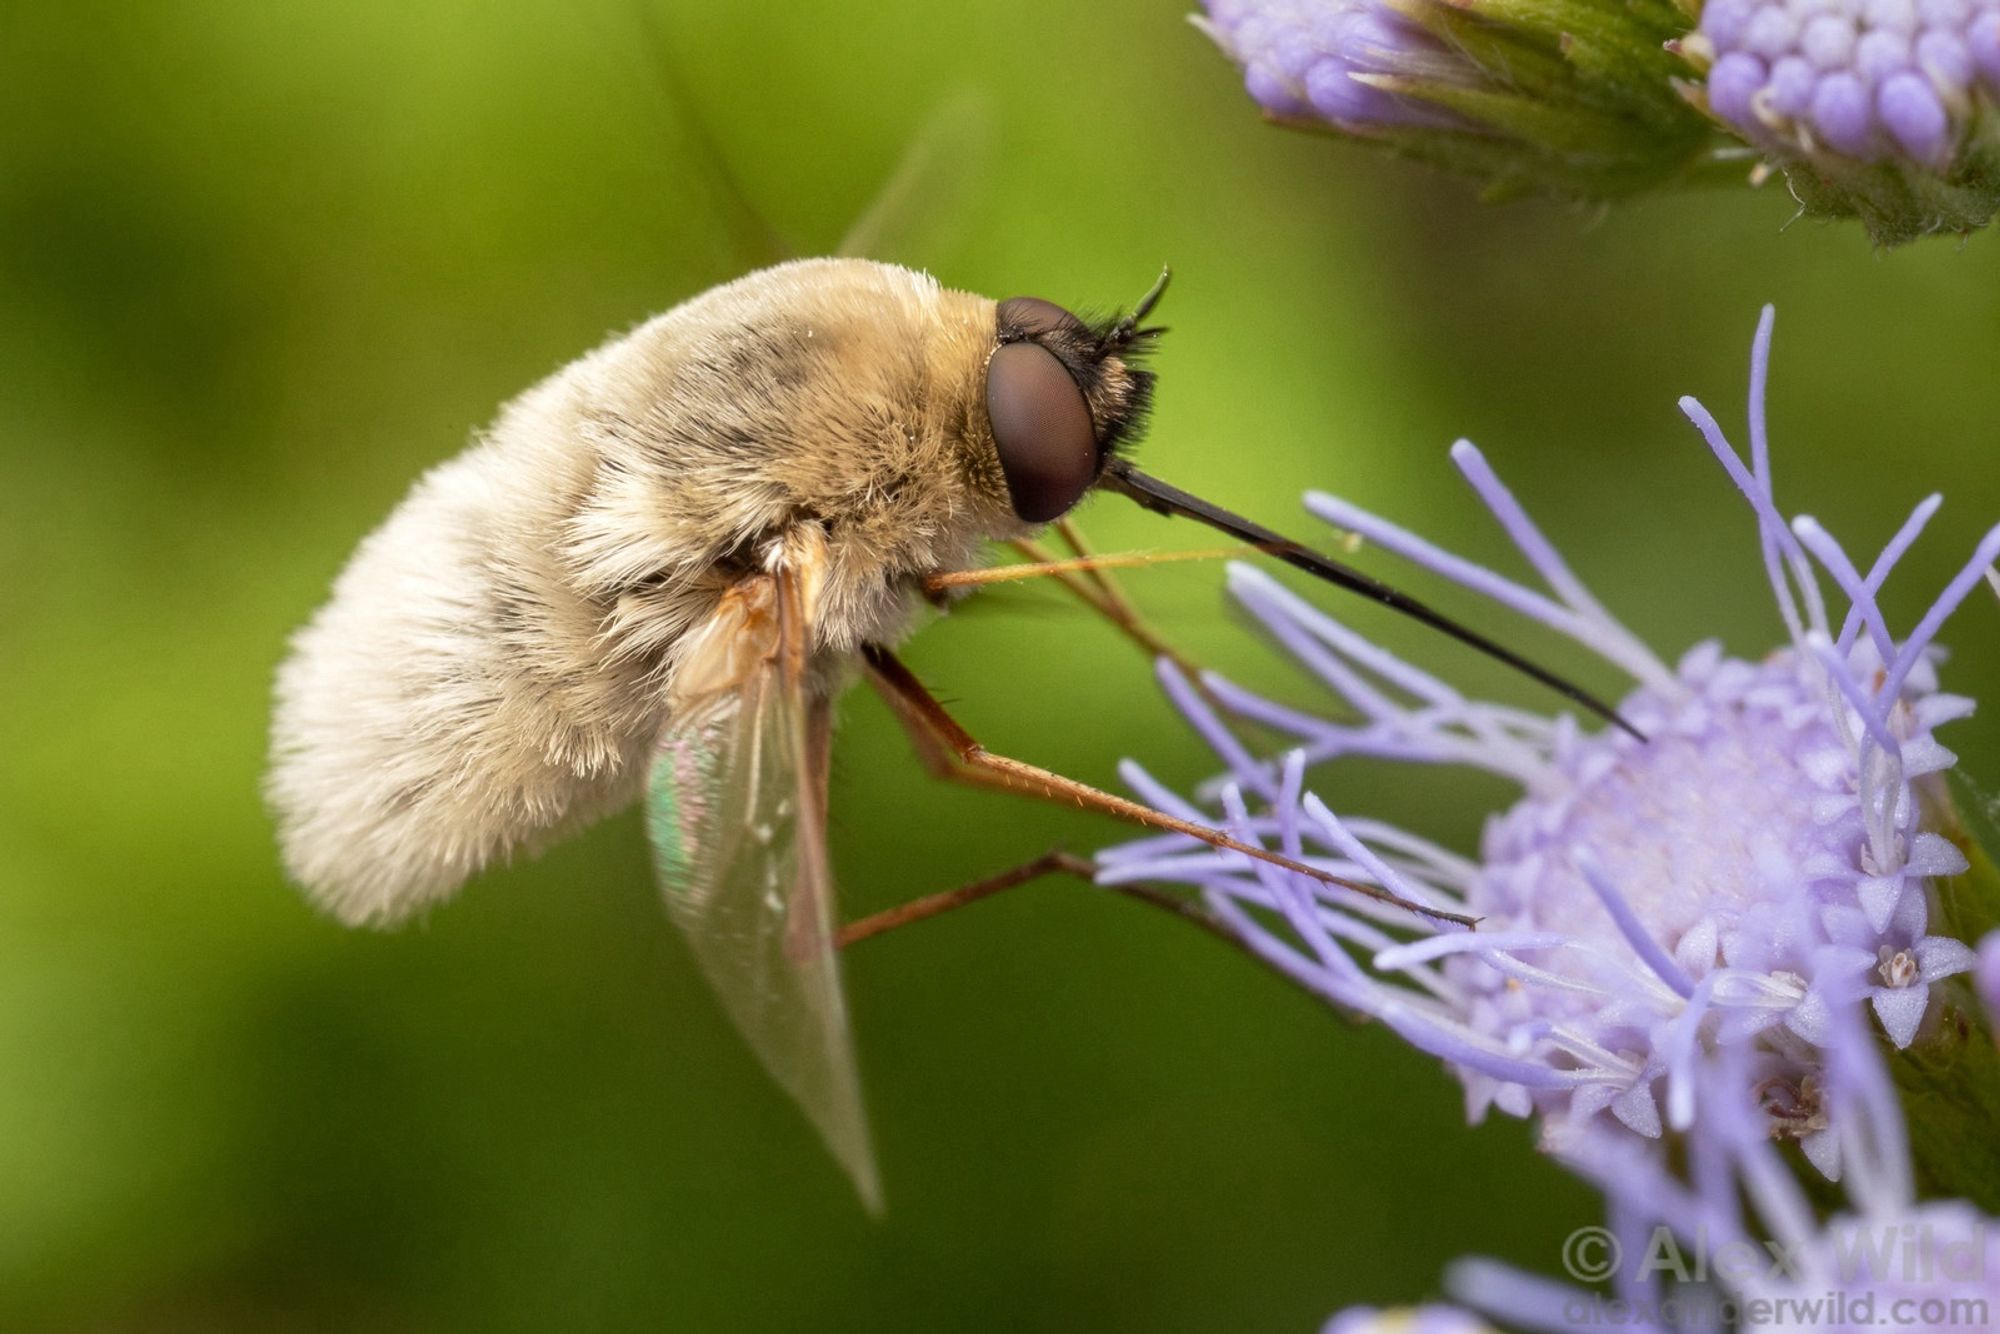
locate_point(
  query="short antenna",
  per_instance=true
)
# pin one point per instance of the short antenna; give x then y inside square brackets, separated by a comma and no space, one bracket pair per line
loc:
[1127,328]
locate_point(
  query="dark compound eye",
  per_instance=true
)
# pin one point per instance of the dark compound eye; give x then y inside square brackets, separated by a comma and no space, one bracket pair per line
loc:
[1041,425]
[1031,315]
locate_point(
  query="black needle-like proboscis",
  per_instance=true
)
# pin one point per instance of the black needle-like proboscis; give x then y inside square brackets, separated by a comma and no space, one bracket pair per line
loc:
[1162,498]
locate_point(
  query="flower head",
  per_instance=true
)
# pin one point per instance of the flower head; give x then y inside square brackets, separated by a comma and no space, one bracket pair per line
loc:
[1305,59]
[1864,79]
[1567,98]
[1875,107]
[1765,856]
[1738,1221]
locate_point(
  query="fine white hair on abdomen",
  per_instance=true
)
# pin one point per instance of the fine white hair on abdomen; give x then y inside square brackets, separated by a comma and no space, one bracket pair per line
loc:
[452,704]
[493,666]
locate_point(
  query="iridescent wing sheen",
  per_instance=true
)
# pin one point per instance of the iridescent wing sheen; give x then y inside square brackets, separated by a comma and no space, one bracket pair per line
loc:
[736,810]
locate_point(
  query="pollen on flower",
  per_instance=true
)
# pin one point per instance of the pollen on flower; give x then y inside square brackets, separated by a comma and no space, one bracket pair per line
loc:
[1765,857]
[1899,968]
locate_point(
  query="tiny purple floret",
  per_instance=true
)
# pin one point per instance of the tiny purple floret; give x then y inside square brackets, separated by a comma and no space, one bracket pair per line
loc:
[1914,116]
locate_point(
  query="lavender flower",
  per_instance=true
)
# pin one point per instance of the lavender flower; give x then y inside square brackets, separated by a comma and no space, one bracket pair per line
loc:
[1885,1259]
[1574,98]
[1873,108]
[1765,857]
[1864,79]
[1305,59]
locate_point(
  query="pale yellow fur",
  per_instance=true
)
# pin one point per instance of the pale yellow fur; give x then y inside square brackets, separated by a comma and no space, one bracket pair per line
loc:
[491,670]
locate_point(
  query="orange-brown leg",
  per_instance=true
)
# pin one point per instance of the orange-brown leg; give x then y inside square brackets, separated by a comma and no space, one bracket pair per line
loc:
[1084,579]
[1106,583]
[1054,862]
[951,752]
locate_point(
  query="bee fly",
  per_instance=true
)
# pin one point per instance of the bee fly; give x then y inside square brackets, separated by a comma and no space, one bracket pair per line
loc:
[653,574]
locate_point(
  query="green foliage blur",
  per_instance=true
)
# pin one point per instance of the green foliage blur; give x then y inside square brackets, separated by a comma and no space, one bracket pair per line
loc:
[261,265]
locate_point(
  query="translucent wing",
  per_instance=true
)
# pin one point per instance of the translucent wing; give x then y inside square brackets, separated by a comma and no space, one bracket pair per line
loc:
[736,809]
[918,215]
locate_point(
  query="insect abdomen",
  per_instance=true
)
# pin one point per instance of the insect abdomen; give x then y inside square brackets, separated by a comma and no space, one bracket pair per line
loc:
[453,703]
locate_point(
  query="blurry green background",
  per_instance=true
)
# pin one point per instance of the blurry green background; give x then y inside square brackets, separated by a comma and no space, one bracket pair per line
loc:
[260,265]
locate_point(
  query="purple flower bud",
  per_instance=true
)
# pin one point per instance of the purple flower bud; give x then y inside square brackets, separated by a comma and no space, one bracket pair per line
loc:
[1946,60]
[1949,14]
[1300,58]
[1723,21]
[1336,96]
[1272,90]
[1828,41]
[1735,79]
[1842,115]
[1914,116]
[1772,32]
[1791,87]
[1879,54]
[1293,53]
[1983,37]
[1894,76]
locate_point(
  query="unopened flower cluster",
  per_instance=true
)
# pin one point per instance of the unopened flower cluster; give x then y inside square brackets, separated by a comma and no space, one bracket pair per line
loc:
[1879,109]
[1867,79]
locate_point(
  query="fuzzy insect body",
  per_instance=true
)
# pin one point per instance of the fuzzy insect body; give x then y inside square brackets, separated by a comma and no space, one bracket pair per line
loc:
[495,662]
